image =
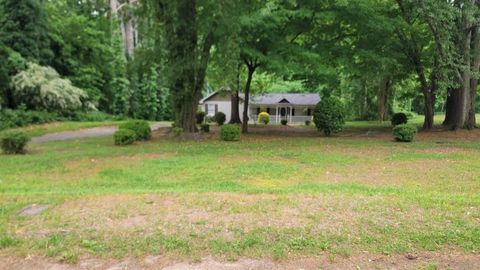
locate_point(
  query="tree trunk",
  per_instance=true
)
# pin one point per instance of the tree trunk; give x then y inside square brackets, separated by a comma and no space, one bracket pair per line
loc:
[251,71]
[235,114]
[429,110]
[452,108]
[471,120]
[382,98]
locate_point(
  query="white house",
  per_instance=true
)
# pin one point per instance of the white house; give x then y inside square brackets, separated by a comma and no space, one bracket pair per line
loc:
[295,108]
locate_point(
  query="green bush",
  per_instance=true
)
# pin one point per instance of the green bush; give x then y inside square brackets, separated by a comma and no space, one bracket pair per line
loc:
[124,136]
[205,128]
[200,116]
[21,117]
[284,122]
[141,128]
[404,133]
[399,119]
[94,116]
[307,122]
[177,131]
[230,132]
[329,115]
[13,142]
[264,118]
[220,118]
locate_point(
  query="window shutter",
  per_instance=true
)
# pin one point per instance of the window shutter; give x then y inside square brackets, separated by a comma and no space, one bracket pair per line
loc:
[216,108]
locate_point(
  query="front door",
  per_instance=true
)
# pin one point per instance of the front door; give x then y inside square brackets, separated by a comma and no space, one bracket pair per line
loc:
[283,112]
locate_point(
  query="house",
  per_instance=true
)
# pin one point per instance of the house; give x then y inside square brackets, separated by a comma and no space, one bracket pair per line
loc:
[295,108]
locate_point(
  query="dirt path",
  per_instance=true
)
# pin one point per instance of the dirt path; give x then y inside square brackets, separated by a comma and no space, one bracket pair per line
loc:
[85,133]
[427,260]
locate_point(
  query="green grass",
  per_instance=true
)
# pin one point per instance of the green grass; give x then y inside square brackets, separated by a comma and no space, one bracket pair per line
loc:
[265,196]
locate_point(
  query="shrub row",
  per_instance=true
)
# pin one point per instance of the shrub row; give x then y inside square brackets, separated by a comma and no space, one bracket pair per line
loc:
[21,117]
[131,131]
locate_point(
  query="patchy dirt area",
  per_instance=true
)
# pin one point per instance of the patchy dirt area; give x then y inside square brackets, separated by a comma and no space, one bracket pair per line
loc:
[428,260]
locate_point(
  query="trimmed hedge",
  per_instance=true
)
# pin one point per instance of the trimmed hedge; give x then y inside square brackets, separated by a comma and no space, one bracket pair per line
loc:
[200,117]
[205,128]
[264,118]
[124,137]
[230,132]
[404,133]
[399,119]
[284,122]
[329,115]
[141,128]
[220,118]
[14,142]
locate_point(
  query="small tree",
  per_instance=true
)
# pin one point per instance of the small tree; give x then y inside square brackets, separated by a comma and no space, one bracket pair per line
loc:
[329,115]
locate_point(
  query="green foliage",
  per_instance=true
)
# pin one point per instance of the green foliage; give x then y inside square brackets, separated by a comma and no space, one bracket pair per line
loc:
[23,28]
[307,122]
[124,136]
[21,117]
[404,132]
[94,116]
[13,142]
[399,119]
[264,118]
[329,115]
[200,115]
[141,128]
[284,122]
[220,118]
[42,88]
[230,132]
[177,131]
[205,128]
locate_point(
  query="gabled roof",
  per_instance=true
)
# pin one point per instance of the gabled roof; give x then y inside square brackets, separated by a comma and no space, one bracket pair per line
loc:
[306,99]
[294,99]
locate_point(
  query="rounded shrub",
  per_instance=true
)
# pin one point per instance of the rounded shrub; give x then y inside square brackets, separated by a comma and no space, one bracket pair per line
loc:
[230,132]
[200,116]
[264,118]
[399,119]
[329,115]
[140,127]
[124,137]
[220,118]
[404,133]
[284,122]
[205,128]
[307,122]
[14,142]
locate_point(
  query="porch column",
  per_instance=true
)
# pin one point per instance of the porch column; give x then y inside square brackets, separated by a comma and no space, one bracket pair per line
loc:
[290,114]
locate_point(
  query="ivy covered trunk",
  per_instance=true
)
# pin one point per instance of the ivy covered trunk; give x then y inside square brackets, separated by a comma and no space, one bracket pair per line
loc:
[188,58]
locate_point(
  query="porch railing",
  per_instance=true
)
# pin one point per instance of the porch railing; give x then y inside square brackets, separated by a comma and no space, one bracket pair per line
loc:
[277,120]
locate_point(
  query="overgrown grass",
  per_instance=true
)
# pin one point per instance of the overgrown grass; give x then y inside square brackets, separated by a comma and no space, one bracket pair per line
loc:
[265,196]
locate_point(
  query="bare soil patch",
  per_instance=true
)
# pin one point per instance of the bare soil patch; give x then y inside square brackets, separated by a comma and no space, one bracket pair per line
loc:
[428,260]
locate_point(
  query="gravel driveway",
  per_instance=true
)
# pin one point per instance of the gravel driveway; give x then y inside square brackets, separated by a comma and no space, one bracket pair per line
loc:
[85,133]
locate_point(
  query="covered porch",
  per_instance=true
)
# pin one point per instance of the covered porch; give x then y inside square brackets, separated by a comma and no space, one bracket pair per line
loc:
[279,112]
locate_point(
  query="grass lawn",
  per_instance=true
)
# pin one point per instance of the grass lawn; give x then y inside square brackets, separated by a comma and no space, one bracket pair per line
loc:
[39,130]
[267,196]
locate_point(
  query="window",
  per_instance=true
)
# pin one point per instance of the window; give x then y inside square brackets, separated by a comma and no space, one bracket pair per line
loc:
[210,109]
[268,110]
[309,112]
[258,111]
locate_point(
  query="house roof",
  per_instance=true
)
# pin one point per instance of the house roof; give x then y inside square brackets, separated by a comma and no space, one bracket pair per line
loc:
[277,98]
[294,99]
